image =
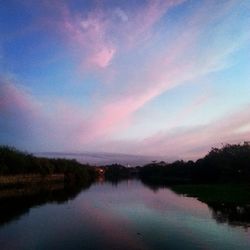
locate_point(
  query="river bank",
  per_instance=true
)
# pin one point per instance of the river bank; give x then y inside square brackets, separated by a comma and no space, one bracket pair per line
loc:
[29,179]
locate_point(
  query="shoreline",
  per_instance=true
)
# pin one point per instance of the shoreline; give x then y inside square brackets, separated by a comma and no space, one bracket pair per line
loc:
[7,181]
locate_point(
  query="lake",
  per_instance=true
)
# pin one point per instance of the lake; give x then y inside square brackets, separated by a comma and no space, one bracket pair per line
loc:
[125,215]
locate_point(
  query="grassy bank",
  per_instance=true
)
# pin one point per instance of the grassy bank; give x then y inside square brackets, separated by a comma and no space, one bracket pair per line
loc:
[29,179]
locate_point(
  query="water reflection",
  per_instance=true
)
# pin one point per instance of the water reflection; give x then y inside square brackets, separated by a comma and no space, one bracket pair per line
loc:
[232,213]
[118,215]
[15,202]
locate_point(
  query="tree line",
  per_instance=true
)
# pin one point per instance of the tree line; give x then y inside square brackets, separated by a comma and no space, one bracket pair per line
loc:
[14,162]
[226,164]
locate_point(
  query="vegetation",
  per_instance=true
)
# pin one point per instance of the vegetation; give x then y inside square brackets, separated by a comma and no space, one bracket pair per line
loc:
[116,172]
[15,162]
[231,163]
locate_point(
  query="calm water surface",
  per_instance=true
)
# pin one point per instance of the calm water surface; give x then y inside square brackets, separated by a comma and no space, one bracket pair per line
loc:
[124,216]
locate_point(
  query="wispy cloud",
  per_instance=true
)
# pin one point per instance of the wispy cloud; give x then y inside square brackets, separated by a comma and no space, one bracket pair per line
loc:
[28,120]
[97,36]
[88,35]
[18,111]
[190,142]
[170,69]
[148,49]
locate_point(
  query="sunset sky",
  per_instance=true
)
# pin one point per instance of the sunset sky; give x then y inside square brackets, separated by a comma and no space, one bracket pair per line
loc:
[162,78]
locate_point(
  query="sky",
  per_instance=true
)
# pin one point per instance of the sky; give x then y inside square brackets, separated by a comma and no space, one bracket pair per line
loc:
[162,78]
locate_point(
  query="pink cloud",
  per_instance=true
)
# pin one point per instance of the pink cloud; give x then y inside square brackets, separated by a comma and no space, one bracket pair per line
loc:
[18,111]
[97,40]
[98,36]
[53,124]
[139,26]
[91,36]
[190,109]
[88,36]
[189,142]
[103,57]
[196,141]
[170,69]
[16,99]
[113,116]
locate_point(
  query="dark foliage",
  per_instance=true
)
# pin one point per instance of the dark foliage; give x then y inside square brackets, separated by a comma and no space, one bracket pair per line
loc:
[116,172]
[227,164]
[13,162]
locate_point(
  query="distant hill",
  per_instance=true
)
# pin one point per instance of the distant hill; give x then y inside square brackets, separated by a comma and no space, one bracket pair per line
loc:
[103,158]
